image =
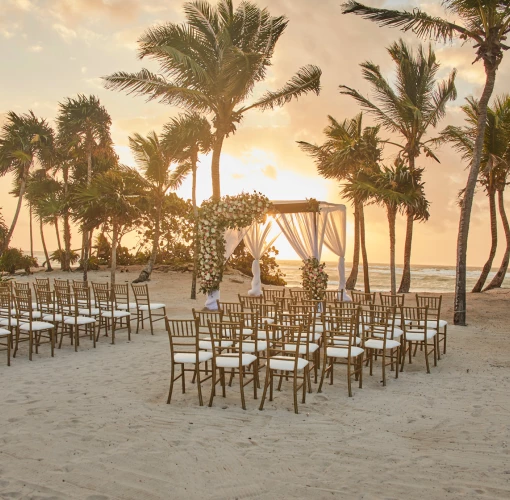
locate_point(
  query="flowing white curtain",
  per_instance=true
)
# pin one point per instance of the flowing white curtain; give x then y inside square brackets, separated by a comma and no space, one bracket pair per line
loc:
[257,243]
[334,239]
[232,238]
[305,232]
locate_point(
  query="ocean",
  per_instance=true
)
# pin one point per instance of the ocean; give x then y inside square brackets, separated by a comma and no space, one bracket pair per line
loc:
[423,278]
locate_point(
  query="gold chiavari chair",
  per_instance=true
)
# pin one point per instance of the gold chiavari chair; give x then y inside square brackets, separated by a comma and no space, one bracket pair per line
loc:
[228,307]
[62,285]
[287,357]
[232,358]
[341,347]
[433,303]
[362,298]
[184,350]
[109,315]
[145,309]
[247,300]
[419,333]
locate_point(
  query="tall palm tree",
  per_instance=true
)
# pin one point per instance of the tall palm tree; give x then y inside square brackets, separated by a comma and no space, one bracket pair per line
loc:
[85,124]
[211,63]
[416,103]
[494,164]
[155,160]
[25,140]
[188,135]
[485,23]
[349,149]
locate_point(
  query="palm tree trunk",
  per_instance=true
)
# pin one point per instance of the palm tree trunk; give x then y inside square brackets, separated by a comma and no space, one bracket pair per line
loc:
[353,277]
[366,277]
[459,317]
[47,257]
[494,243]
[85,233]
[215,164]
[194,160]
[392,215]
[31,233]
[498,279]
[113,258]
[145,274]
[22,189]
[57,232]
[405,282]
[66,258]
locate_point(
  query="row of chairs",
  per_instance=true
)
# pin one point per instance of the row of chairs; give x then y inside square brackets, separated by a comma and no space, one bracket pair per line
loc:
[69,309]
[294,344]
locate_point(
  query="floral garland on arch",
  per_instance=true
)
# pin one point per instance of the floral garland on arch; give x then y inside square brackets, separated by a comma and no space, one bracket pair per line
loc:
[315,279]
[230,212]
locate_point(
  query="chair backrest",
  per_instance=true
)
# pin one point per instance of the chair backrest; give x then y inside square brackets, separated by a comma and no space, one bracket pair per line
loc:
[203,317]
[300,295]
[82,297]
[104,299]
[363,298]
[223,333]
[341,330]
[391,299]
[46,301]
[374,323]
[228,307]
[121,293]
[415,317]
[334,295]
[287,341]
[6,306]
[341,319]
[80,284]
[314,315]
[21,286]
[433,302]
[247,319]
[182,335]
[66,303]
[6,286]
[141,294]
[23,303]
[299,317]
[62,285]
[272,294]
[248,300]
[284,303]
[391,312]
[42,284]
[264,310]
[332,308]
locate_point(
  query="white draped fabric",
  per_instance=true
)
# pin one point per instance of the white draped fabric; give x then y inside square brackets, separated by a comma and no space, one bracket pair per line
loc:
[232,238]
[305,232]
[257,243]
[334,239]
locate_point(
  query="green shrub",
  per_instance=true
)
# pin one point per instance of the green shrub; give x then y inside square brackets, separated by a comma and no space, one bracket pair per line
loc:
[58,256]
[13,259]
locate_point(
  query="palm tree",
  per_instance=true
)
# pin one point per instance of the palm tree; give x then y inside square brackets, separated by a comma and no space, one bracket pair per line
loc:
[494,165]
[25,139]
[417,103]
[211,63]
[110,199]
[155,160]
[188,135]
[85,125]
[486,23]
[349,149]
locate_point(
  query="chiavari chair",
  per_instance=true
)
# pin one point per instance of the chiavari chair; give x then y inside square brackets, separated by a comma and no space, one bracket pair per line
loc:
[145,309]
[433,303]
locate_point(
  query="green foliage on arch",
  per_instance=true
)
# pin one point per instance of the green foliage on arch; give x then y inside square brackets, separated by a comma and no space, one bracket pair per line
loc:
[230,212]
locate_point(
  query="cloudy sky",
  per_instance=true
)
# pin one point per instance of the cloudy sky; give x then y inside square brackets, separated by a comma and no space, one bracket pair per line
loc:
[52,49]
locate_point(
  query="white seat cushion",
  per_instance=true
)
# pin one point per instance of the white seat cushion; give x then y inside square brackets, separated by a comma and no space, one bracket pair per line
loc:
[79,320]
[397,333]
[433,324]
[93,311]
[312,347]
[14,322]
[190,357]
[419,335]
[343,340]
[207,344]
[4,333]
[261,335]
[319,328]
[154,306]
[58,317]
[312,337]
[231,360]
[378,344]
[35,314]
[116,314]
[5,311]
[342,352]
[286,364]
[131,305]
[249,346]
[36,326]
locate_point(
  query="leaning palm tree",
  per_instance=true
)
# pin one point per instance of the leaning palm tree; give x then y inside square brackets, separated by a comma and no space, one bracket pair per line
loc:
[486,23]
[84,124]
[155,161]
[416,103]
[211,64]
[188,135]
[349,149]
[494,164]
[25,141]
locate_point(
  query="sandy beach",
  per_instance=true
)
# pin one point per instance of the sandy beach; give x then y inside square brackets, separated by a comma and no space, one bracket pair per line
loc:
[95,425]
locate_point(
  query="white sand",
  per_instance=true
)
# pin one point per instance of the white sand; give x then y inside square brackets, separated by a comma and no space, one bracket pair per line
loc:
[94,424]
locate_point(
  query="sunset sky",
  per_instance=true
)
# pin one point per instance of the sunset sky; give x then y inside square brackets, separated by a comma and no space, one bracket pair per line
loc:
[52,49]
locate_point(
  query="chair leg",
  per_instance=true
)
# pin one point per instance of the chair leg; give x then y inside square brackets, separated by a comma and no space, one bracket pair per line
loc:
[426,356]
[213,388]
[294,387]
[150,322]
[264,392]
[384,368]
[397,360]
[52,341]
[306,380]
[444,340]
[360,371]
[241,386]
[323,374]
[171,384]
[199,386]
[183,376]
[349,385]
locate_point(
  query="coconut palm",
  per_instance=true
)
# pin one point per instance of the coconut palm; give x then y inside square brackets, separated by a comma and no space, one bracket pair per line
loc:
[25,141]
[110,199]
[155,160]
[349,149]
[486,23]
[211,63]
[494,165]
[188,135]
[416,103]
[84,124]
